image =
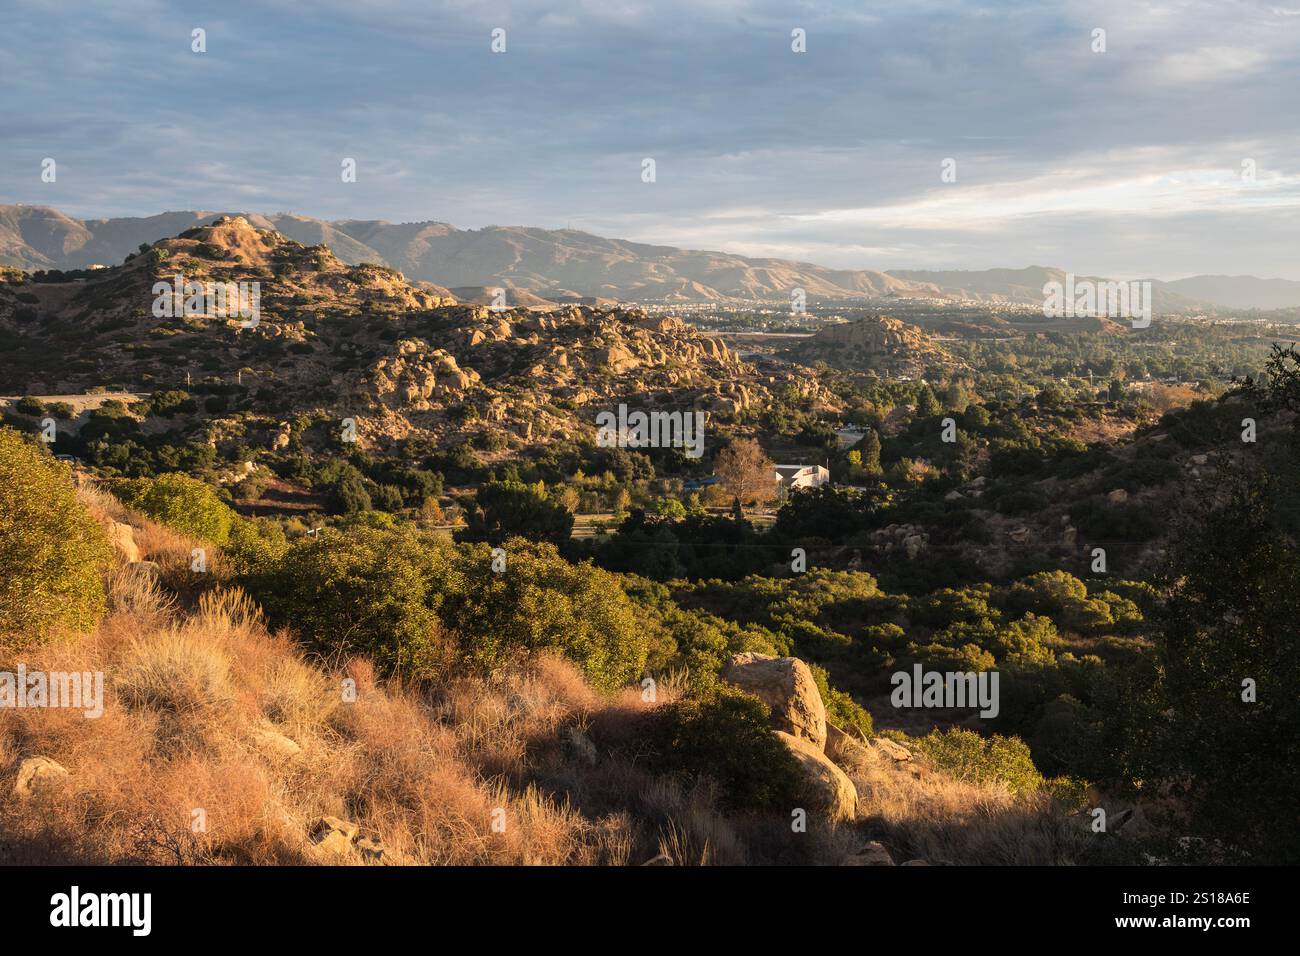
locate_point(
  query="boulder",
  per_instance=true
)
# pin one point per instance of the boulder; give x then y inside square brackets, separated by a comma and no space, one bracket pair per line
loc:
[38,775]
[845,749]
[787,686]
[122,538]
[826,788]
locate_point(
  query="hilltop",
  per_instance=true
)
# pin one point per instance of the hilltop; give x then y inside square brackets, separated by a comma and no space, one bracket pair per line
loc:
[361,342]
[877,343]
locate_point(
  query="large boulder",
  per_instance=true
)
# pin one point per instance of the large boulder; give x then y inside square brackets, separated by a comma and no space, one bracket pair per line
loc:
[826,788]
[787,686]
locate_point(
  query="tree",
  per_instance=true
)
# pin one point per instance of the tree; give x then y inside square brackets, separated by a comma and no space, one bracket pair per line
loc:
[868,447]
[505,508]
[927,406]
[52,552]
[746,472]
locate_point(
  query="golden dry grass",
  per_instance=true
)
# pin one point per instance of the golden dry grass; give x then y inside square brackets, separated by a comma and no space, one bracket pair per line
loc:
[207,713]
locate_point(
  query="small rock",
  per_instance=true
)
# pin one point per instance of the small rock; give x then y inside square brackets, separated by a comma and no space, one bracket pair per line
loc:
[888,748]
[38,775]
[122,538]
[273,743]
[1118,496]
[333,835]
[371,849]
[873,854]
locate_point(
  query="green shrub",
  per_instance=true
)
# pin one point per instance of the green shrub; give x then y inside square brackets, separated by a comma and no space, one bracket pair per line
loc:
[416,603]
[724,735]
[52,552]
[968,756]
[181,502]
[30,406]
[841,709]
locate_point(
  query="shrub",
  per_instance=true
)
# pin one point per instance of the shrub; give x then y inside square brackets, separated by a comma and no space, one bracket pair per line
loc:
[967,755]
[183,503]
[841,709]
[724,735]
[504,508]
[30,406]
[52,552]
[364,592]
[417,603]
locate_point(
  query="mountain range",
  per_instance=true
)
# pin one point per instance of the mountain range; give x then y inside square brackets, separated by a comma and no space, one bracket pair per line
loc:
[566,265]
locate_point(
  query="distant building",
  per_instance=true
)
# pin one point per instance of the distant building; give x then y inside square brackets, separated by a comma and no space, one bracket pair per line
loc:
[790,477]
[696,484]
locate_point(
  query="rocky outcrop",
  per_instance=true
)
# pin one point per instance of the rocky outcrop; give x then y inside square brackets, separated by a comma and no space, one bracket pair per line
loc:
[417,375]
[787,686]
[879,343]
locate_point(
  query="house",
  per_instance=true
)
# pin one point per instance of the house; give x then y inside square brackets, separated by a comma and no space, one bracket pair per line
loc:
[789,477]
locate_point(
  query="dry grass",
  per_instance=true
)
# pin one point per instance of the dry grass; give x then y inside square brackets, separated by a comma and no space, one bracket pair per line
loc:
[207,714]
[919,813]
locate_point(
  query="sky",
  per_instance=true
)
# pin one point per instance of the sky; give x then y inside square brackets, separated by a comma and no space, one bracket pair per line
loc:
[1132,162]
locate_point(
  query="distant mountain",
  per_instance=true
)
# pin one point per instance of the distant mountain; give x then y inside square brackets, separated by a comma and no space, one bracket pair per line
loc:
[587,268]
[1025,287]
[1240,292]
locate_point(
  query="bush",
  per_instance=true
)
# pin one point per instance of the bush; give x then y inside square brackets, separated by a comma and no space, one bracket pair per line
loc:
[52,552]
[30,406]
[841,709]
[364,592]
[416,604]
[181,502]
[969,756]
[724,735]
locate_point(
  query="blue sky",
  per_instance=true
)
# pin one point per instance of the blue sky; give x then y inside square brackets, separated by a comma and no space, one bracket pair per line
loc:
[1126,162]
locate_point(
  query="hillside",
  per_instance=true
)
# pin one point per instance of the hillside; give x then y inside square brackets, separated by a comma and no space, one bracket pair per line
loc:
[362,342]
[879,344]
[204,707]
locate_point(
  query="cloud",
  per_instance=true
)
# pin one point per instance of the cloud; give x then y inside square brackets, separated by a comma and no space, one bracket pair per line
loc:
[832,154]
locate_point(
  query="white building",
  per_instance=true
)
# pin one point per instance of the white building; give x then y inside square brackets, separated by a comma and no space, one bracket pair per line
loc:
[789,477]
